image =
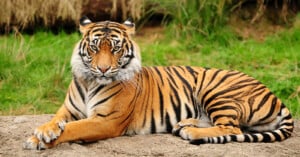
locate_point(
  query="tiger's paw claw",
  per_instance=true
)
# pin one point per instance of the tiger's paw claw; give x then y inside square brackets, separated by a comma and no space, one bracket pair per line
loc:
[34,143]
[49,131]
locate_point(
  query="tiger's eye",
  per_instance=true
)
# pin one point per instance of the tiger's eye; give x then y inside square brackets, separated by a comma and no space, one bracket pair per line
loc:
[116,49]
[94,48]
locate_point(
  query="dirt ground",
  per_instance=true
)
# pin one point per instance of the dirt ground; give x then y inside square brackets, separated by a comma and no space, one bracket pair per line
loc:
[15,129]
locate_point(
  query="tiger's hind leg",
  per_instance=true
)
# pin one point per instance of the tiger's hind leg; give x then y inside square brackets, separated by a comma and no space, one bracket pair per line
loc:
[223,124]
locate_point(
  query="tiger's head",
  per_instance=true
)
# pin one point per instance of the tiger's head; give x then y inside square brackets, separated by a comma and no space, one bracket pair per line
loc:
[106,52]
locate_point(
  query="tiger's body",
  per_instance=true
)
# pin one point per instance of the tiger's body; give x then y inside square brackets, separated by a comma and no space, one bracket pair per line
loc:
[112,95]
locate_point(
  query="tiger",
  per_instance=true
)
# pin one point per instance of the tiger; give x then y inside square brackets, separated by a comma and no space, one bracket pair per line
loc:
[111,94]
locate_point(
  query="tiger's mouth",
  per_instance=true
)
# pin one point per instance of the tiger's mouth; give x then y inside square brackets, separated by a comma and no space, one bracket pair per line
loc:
[104,79]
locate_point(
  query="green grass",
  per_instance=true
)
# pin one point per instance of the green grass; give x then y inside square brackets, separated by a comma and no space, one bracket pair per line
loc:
[35,70]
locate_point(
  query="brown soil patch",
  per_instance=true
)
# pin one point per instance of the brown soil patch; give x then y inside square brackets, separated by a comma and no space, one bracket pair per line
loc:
[15,129]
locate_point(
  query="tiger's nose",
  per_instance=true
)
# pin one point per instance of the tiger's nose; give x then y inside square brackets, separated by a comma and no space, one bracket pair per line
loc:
[103,69]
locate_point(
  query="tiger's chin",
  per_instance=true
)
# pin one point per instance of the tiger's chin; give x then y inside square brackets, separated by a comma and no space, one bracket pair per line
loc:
[104,80]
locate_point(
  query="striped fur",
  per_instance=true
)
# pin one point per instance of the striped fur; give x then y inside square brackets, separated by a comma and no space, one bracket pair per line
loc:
[112,95]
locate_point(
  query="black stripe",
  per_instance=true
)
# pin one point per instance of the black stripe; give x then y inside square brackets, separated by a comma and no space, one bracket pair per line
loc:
[218,103]
[289,131]
[176,106]
[181,68]
[187,94]
[219,82]
[235,95]
[218,139]
[112,87]
[245,80]
[146,98]
[130,56]
[201,84]
[211,110]
[131,46]
[170,77]
[287,117]
[266,137]
[79,89]
[81,54]
[106,115]
[277,136]
[285,133]
[247,138]
[209,139]
[153,127]
[159,74]
[224,139]
[99,29]
[191,71]
[161,106]
[105,99]
[125,65]
[79,47]
[286,124]
[255,138]
[261,104]
[118,30]
[226,91]
[198,141]
[169,126]
[187,84]
[73,116]
[189,112]
[233,138]
[197,112]
[96,90]
[128,116]
[104,29]
[214,76]
[75,107]
[259,89]
[271,111]
[252,98]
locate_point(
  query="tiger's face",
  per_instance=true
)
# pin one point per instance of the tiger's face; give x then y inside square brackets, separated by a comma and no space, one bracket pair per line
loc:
[106,52]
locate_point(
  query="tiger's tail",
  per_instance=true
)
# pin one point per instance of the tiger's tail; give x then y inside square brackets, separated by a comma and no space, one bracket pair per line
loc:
[284,131]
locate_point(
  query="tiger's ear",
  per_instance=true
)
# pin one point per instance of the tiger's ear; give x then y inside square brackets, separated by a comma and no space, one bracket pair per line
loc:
[85,24]
[130,26]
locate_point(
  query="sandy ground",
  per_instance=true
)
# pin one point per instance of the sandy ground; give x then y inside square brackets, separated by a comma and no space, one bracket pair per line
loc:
[15,129]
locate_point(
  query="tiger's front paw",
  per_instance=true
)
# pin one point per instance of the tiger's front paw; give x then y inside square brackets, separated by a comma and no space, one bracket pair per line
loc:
[49,131]
[34,143]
